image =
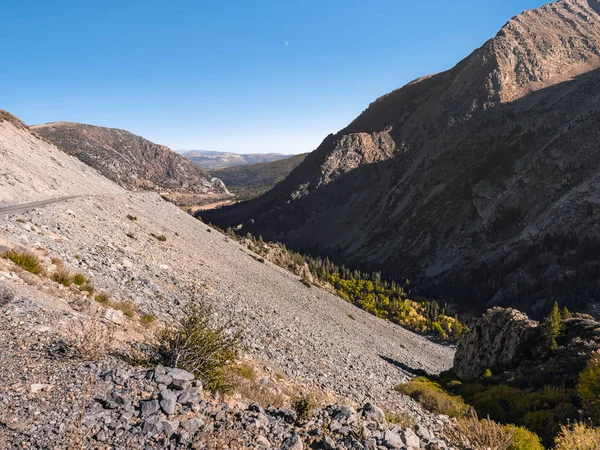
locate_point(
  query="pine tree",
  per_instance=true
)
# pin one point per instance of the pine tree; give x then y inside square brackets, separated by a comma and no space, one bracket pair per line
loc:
[553,326]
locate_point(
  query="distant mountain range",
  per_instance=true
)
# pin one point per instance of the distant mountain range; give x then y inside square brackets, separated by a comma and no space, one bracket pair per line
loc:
[218,160]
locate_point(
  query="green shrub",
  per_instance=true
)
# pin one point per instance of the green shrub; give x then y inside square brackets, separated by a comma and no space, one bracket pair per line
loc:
[523,439]
[26,260]
[433,397]
[147,319]
[102,298]
[304,406]
[402,420]
[198,346]
[79,279]
[88,287]
[588,387]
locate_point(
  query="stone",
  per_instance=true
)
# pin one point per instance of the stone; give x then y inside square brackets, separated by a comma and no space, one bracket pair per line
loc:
[292,443]
[328,443]
[168,405]
[114,316]
[373,413]
[180,374]
[40,387]
[169,426]
[192,425]
[392,440]
[151,427]
[261,440]
[148,408]
[410,438]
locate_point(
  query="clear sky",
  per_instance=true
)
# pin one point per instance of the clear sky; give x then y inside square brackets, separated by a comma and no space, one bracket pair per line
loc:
[229,75]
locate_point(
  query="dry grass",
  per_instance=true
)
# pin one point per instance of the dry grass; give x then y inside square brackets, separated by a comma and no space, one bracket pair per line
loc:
[26,260]
[8,117]
[127,307]
[147,319]
[402,420]
[470,432]
[93,341]
[62,276]
[578,436]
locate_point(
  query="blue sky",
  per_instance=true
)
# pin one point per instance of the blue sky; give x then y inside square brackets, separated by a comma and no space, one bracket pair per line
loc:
[229,75]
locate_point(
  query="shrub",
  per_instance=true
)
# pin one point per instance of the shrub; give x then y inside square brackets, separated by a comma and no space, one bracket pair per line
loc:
[588,387]
[79,279]
[402,420]
[578,437]
[102,298]
[26,260]
[523,439]
[93,341]
[245,371]
[62,276]
[433,397]
[470,432]
[147,319]
[127,307]
[6,295]
[88,287]
[304,406]
[199,347]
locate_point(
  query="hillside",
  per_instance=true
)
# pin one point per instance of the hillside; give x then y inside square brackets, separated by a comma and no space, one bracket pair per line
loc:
[142,262]
[134,162]
[479,183]
[219,160]
[249,181]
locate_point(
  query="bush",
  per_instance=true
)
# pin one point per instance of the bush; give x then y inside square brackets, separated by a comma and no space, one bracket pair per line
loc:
[304,406]
[79,279]
[402,420]
[523,439]
[62,276]
[588,387]
[26,260]
[127,307]
[578,437]
[6,295]
[88,287]
[147,319]
[199,347]
[470,432]
[102,298]
[433,397]
[93,341]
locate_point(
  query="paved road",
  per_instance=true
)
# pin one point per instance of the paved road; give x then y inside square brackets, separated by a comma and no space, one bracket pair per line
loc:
[33,205]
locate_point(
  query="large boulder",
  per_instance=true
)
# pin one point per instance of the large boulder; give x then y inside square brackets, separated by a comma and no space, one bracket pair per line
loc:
[497,341]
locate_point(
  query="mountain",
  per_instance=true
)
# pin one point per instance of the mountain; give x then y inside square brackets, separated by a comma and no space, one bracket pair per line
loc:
[479,183]
[134,162]
[74,348]
[249,181]
[218,160]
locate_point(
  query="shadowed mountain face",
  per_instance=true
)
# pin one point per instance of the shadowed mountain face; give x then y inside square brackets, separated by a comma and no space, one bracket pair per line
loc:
[134,162]
[480,183]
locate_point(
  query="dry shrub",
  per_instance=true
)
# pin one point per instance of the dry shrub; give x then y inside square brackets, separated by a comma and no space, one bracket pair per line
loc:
[94,340]
[79,279]
[578,436]
[472,433]
[304,406]
[400,419]
[62,276]
[433,397]
[200,347]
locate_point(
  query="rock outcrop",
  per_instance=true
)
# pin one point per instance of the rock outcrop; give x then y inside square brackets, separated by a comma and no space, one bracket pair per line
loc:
[465,181]
[135,163]
[518,352]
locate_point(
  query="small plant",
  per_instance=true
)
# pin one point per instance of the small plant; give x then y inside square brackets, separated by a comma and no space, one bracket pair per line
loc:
[132,218]
[578,436]
[127,307]
[26,260]
[487,374]
[304,406]
[88,287]
[161,237]
[147,319]
[79,279]
[198,346]
[245,371]
[93,341]
[102,298]
[433,397]
[470,432]
[523,439]
[402,420]
[6,295]
[62,276]
[588,387]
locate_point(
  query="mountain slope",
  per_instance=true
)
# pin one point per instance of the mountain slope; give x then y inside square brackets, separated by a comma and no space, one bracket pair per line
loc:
[470,181]
[134,162]
[249,181]
[219,160]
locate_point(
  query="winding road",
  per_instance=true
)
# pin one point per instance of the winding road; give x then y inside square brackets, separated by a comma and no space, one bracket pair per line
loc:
[33,205]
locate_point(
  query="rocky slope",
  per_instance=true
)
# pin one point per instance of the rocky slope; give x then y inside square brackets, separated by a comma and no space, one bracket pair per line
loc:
[479,183]
[134,162]
[249,181]
[137,247]
[219,160]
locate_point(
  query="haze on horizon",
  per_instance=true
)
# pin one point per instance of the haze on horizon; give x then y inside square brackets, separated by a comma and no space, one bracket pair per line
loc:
[244,77]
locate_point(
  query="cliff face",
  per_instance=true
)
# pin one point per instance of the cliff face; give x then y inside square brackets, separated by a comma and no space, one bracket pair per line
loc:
[134,162]
[472,181]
